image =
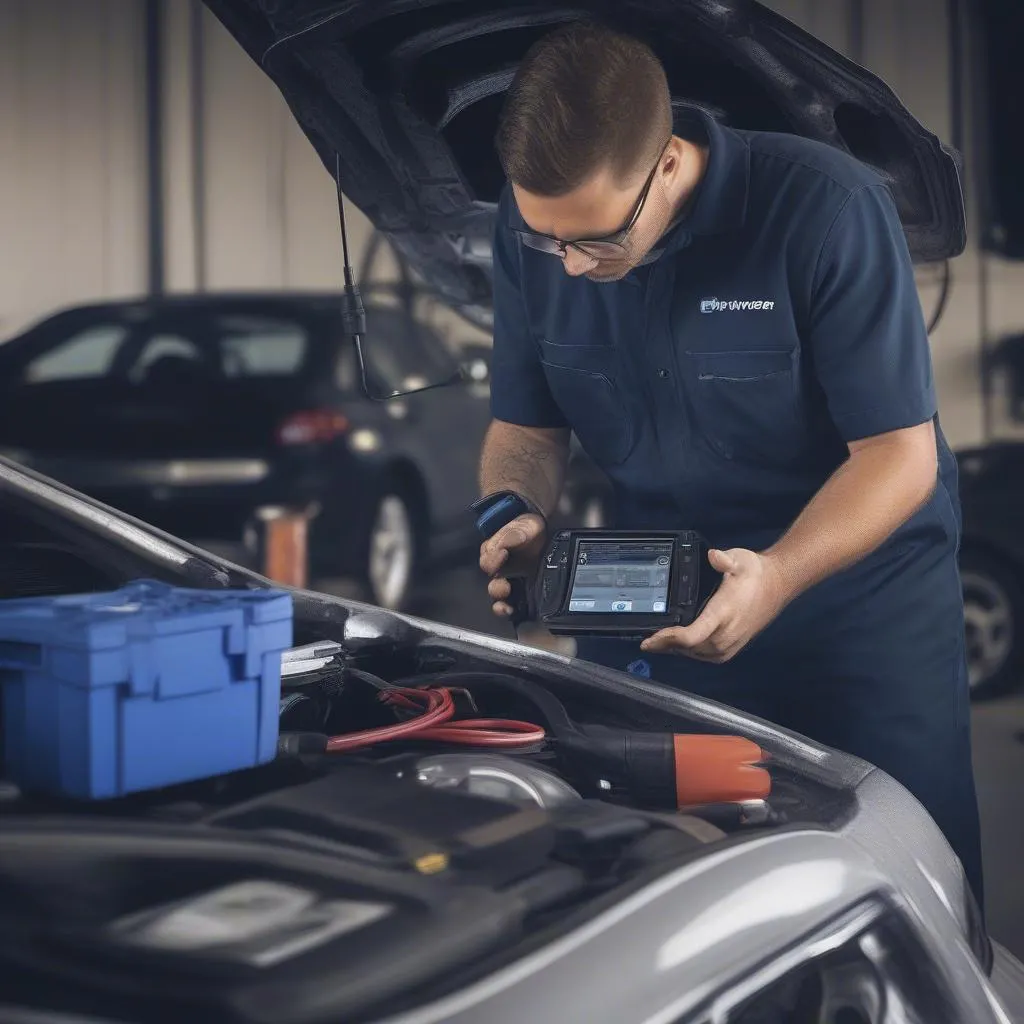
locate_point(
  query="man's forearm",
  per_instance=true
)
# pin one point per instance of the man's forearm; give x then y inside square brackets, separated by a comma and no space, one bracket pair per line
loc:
[873,493]
[528,460]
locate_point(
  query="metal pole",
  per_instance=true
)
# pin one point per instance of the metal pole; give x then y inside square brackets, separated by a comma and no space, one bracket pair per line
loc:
[856,30]
[154,143]
[963,40]
[956,75]
[984,334]
[198,125]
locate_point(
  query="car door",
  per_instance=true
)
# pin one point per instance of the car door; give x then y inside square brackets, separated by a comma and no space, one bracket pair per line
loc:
[57,385]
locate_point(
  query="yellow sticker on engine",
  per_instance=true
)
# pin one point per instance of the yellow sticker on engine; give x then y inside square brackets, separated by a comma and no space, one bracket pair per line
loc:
[431,863]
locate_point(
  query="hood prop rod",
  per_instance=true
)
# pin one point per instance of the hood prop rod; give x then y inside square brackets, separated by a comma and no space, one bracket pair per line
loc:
[353,313]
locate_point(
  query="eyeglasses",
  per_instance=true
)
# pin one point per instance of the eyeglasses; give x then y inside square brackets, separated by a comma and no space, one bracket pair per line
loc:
[609,247]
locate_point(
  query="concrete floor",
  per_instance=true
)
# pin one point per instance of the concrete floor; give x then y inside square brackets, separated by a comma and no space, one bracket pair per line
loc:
[459,597]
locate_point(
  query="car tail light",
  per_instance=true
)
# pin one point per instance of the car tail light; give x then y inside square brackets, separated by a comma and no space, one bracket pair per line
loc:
[314,426]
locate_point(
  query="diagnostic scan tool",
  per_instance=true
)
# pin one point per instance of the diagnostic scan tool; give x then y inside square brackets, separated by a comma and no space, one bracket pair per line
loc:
[623,583]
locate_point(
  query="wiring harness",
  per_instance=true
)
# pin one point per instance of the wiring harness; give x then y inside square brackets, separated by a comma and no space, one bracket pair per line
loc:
[434,723]
[656,769]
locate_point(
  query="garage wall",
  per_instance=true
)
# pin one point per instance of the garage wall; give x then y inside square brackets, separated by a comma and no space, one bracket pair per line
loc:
[248,204]
[907,45]
[72,154]
[251,204]
[829,20]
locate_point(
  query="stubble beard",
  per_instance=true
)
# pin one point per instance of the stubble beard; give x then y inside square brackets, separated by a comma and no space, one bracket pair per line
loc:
[640,243]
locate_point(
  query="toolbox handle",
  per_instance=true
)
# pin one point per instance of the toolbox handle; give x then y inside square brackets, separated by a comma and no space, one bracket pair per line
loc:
[16,654]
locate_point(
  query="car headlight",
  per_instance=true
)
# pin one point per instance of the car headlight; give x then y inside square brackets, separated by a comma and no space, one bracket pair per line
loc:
[365,440]
[868,967]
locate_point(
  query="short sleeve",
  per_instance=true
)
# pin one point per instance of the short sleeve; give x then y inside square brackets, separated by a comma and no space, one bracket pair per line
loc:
[868,337]
[519,389]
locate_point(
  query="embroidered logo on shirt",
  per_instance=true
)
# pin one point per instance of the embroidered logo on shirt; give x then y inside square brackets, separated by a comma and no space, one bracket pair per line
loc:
[719,305]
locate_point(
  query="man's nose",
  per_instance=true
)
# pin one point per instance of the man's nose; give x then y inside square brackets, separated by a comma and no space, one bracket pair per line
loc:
[576,263]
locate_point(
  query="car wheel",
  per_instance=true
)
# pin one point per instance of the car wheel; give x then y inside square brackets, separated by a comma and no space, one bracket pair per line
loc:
[994,618]
[391,552]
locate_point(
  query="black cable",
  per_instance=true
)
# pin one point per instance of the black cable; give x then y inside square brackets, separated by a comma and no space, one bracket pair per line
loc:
[944,293]
[368,678]
[341,217]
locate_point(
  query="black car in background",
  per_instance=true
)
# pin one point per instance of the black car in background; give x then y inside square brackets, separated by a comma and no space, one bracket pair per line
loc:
[195,413]
[992,549]
[992,564]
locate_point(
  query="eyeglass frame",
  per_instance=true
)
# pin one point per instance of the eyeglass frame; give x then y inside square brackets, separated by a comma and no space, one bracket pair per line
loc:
[552,246]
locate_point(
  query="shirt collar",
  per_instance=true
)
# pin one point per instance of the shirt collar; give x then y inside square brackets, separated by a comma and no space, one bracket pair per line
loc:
[720,202]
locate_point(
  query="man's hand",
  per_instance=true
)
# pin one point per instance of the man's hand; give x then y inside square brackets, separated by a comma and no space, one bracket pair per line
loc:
[516,548]
[750,595]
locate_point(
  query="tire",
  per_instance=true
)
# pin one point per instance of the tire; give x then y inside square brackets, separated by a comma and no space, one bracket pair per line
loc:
[994,617]
[392,551]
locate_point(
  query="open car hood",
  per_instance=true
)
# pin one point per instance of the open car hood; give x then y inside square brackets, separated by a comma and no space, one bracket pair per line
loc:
[408,92]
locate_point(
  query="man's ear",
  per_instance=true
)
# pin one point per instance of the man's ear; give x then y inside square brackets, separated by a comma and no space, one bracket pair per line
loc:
[672,158]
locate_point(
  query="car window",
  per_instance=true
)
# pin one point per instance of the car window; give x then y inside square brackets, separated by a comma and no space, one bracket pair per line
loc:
[161,346]
[261,347]
[221,346]
[89,354]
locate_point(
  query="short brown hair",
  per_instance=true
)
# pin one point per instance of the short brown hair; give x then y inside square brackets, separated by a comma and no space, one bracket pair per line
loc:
[584,97]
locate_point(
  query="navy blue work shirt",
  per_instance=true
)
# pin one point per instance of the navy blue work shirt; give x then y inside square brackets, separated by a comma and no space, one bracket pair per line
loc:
[718,385]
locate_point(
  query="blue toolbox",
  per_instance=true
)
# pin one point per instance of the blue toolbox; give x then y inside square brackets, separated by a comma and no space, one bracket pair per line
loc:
[147,686]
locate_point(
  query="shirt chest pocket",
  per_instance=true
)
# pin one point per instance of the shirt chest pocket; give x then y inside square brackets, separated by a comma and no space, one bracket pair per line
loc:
[585,381]
[748,404]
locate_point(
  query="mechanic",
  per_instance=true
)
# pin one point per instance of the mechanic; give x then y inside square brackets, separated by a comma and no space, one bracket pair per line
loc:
[728,321]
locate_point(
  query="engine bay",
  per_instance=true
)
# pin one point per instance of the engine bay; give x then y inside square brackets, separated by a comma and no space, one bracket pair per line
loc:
[355,875]
[438,808]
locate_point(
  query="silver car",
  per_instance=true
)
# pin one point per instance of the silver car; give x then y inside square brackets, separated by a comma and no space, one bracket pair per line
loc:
[414,884]
[411,882]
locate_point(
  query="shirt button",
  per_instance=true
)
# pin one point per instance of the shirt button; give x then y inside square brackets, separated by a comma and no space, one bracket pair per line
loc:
[662,373]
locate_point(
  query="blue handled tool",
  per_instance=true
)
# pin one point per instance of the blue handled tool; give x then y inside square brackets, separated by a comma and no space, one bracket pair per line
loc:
[494,511]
